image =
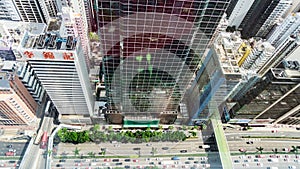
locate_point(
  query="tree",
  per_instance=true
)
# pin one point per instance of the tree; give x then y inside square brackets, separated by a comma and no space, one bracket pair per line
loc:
[259,149]
[294,149]
[76,151]
[49,152]
[91,154]
[154,151]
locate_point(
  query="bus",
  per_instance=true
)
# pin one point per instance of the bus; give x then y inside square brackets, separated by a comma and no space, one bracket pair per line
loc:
[44,141]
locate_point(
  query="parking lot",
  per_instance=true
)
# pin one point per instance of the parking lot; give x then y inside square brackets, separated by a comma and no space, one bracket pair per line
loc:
[267,161]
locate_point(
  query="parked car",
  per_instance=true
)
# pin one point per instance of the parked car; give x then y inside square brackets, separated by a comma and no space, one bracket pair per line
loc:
[183,151]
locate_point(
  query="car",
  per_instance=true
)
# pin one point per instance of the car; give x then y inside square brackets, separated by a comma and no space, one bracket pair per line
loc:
[136,148]
[148,144]
[58,165]
[190,158]
[62,160]
[119,163]
[203,162]
[135,160]
[115,160]
[78,164]
[106,160]
[246,161]
[165,148]
[249,142]
[11,162]
[126,166]
[187,162]
[292,167]
[256,160]
[296,161]
[183,151]
[2,165]
[127,160]
[151,163]
[242,149]
[196,162]
[9,146]
[12,150]
[9,153]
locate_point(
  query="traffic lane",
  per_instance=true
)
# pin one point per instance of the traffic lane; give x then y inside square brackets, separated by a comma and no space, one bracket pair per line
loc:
[246,162]
[295,133]
[132,162]
[129,149]
[20,147]
[267,144]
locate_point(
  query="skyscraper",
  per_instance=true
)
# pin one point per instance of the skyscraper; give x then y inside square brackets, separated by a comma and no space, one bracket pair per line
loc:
[261,16]
[289,26]
[151,50]
[17,107]
[59,64]
[8,11]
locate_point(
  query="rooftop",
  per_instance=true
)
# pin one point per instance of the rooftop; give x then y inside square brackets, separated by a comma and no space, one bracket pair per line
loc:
[226,47]
[49,41]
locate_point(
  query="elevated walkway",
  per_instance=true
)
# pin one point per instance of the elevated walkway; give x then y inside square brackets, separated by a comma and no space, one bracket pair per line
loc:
[220,138]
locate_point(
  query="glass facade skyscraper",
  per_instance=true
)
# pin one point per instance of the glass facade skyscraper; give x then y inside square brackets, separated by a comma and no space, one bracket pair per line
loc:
[151,51]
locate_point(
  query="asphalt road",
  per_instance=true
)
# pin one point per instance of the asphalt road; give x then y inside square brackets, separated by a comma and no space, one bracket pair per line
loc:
[240,162]
[20,147]
[128,149]
[167,162]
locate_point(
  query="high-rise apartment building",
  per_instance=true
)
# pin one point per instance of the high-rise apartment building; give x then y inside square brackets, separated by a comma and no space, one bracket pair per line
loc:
[238,11]
[261,53]
[31,11]
[279,11]
[151,50]
[259,13]
[8,11]
[59,64]
[17,107]
[289,26]
[286,48]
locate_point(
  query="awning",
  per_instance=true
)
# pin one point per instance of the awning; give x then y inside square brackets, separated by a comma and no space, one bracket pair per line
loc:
[140,123]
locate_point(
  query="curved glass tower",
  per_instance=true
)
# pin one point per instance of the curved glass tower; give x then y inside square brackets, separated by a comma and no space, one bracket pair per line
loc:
[151,51]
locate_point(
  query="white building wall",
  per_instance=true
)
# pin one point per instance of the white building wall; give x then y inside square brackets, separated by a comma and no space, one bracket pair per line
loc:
[239,12]
[290,25]
[8,11]
[280,10]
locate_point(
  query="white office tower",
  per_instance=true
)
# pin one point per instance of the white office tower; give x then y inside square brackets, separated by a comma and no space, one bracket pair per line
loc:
[78,17]
[290,26]
[59,64]
[280,10]
[239,12]
[258,56]
[8,11]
